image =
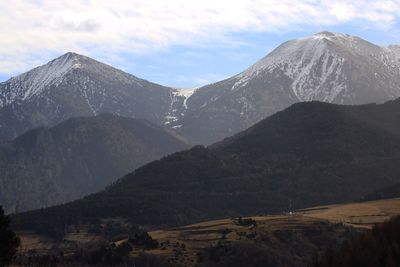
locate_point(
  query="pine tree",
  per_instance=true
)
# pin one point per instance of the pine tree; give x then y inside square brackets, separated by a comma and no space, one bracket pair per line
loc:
[9,242]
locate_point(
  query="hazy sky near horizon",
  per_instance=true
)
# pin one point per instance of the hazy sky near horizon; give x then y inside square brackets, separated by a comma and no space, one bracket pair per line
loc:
[179,43]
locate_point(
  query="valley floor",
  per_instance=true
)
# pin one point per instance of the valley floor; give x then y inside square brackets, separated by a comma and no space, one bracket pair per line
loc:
[294,237]
[197,237]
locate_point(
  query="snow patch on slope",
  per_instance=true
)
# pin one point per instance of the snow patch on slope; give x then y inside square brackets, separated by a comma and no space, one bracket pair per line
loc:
[185,93]
[178,104]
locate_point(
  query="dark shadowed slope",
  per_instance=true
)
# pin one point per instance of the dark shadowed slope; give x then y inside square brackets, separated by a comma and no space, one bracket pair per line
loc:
[311,153]
[48,166]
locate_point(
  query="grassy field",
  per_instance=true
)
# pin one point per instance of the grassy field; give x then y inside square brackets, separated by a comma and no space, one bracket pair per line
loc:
[182,244]
[363,214]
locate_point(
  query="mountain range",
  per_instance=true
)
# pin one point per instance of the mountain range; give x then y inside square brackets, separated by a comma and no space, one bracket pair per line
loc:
[53,165]
[308,153]
[329,67]
[311,153]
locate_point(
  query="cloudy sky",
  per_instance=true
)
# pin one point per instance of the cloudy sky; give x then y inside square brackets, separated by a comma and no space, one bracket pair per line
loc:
[182,43]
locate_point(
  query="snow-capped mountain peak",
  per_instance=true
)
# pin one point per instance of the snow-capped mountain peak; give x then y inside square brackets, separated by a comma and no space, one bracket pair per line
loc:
[75,85]
[48,77]
[316,65]
[32,83]
[327,66]
[72,59]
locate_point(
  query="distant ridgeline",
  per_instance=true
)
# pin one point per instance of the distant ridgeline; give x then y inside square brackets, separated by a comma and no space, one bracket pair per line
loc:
[310,154]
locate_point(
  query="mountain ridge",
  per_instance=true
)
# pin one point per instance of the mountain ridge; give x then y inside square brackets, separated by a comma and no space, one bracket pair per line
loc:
[53,165]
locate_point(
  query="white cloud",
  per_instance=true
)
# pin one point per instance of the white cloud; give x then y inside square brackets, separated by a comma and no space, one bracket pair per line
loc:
[30,28]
